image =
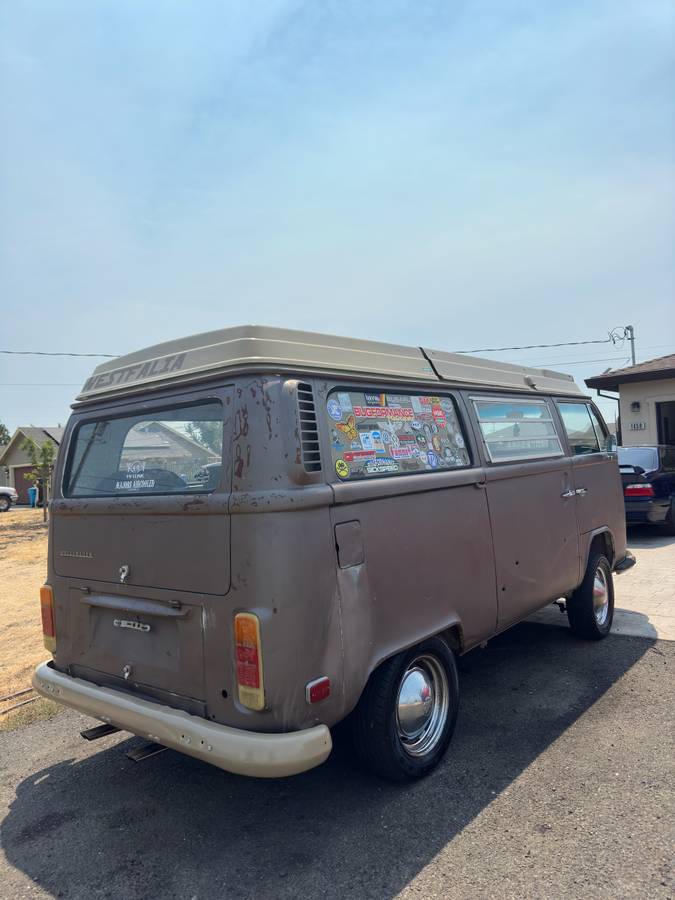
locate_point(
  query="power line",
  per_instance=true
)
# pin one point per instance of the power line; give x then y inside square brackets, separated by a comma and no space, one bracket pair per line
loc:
[43,353]
[581,362]
[608,340]
[616,336]
[40,383]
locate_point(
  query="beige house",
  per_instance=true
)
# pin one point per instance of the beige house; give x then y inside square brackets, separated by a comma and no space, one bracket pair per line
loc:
[646,400]
[14,461]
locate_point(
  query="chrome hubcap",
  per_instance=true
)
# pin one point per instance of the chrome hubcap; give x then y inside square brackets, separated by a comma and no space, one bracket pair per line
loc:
[422,705]
[600,596]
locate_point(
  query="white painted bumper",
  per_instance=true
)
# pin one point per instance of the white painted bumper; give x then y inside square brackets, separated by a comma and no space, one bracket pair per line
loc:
[242,752]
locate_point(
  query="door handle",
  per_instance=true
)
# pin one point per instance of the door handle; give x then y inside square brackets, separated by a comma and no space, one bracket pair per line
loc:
[581,491]
[568,494]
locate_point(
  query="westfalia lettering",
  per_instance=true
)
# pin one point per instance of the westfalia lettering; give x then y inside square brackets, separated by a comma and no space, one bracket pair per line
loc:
[133,373]
[384,412]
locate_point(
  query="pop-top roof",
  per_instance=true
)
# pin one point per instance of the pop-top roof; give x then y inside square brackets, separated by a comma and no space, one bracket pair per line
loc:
[255,348]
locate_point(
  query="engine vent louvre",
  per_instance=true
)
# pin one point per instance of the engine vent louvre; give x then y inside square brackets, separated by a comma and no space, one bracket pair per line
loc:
[309,433]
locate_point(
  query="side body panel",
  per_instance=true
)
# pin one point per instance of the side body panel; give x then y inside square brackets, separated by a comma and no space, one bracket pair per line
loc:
[599,501]
[598,495]
[535,535]
[534,527]
[414,557]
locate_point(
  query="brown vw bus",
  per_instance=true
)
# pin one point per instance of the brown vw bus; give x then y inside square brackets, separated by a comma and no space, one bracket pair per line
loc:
[256,533]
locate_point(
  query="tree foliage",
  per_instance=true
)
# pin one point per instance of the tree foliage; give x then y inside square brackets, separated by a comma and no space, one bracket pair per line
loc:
[208,434]
[42,457]
[5,436]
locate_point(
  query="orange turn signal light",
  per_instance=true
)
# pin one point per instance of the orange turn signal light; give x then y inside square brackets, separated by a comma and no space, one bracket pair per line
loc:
[250,685]
[47,611]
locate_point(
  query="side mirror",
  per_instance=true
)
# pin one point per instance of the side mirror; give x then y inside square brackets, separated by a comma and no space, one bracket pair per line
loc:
[611,443]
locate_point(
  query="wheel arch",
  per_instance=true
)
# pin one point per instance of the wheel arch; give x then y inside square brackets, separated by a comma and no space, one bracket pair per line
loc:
[601,540]
[452,633]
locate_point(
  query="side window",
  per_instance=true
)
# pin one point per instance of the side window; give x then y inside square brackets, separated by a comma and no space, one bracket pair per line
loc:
[376,434]
[579,427]
[516,429]
[601,430]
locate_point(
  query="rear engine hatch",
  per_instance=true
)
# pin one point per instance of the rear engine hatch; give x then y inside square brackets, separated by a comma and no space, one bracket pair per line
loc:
[140,643]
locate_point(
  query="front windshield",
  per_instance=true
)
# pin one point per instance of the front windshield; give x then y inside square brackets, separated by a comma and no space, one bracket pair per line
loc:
[168,451]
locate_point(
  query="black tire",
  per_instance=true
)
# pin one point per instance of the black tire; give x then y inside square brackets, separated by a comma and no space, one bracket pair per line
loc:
[5,503]
[378,734]
[587,620]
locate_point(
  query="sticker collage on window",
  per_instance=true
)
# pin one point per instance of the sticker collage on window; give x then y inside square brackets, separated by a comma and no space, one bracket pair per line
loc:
[387,434]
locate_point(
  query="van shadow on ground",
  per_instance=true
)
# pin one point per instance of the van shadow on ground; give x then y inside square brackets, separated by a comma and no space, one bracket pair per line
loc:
[175,827]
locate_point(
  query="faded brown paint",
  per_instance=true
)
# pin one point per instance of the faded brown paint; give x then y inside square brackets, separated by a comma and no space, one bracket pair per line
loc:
[473,550]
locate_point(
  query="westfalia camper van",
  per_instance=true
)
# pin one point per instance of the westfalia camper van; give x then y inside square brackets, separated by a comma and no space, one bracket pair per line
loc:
[256,533]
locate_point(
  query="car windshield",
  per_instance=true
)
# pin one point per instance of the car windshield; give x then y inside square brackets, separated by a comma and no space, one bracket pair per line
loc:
[647,458]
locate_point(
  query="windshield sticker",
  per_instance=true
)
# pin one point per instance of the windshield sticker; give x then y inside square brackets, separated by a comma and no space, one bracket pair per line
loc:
[334,410]
[135,480]
[345,402]
[376,399]
[379,466]
[379,434]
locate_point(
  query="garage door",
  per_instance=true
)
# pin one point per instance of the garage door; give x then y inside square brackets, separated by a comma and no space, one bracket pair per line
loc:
[22,484]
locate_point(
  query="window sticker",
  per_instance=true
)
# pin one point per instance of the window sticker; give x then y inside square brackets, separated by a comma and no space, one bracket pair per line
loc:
[334,410]
[380,434]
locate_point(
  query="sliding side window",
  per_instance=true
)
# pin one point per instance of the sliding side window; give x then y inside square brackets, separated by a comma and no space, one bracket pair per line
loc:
[516,429]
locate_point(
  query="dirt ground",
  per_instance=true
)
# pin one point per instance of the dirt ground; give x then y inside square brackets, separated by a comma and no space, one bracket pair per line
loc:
[23,569]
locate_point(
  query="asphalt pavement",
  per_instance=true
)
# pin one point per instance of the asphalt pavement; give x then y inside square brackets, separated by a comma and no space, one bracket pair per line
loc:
[560,782]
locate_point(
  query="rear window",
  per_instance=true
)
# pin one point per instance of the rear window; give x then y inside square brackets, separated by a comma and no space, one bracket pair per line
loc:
[376,434]
[169,451]
[516,429]
[645,458]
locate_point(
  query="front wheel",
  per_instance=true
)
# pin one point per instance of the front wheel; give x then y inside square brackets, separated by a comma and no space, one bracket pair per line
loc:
[406,716]
[5,504]
[590,609]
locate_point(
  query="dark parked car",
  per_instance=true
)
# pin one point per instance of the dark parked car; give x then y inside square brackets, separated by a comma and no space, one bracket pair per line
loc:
[648,475]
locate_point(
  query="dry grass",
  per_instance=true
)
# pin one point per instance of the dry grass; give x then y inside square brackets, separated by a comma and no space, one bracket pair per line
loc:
[32,712]
[23,569]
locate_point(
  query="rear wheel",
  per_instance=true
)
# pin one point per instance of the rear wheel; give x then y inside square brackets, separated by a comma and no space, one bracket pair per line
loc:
[590,609]
[406,716]
[5,504]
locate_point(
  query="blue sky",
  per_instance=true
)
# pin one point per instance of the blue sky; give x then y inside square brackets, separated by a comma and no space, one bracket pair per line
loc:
[459,175]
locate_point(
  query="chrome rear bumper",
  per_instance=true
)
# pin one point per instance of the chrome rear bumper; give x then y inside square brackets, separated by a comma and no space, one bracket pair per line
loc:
[232,749]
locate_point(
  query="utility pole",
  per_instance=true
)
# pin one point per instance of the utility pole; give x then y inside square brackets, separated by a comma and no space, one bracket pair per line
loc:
[631,337]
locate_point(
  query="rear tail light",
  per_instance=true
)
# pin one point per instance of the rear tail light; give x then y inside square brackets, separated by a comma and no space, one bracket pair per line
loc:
[47,610]
[249,661]
[638,490]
